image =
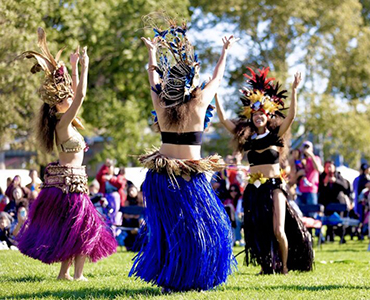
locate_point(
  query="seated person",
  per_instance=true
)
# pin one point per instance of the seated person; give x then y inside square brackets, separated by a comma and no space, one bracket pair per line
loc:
[5,222]
[134,198]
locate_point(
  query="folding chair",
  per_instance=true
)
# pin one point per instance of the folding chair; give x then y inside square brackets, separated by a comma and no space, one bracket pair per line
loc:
[316,224]
[345,222]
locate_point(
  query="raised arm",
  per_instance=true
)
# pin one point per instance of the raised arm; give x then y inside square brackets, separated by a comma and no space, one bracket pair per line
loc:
[72,111]
[285,125]
[230,126]
[218,73]
[74,57]
[153,75]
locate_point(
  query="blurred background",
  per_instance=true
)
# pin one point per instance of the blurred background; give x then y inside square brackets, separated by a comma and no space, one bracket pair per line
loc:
[328,41]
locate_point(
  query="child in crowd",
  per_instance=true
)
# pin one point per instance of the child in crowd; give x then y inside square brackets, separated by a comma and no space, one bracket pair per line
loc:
[5,237]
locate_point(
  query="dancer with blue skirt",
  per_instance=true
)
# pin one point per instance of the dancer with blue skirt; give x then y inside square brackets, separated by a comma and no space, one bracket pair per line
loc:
[187,242]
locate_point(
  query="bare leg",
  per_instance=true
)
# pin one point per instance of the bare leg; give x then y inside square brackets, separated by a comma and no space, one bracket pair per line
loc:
[79,266]
[279,222]
[64,270]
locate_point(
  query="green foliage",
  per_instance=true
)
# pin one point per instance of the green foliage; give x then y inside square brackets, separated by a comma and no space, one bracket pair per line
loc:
[341,272]
[118,101]
[328,40]
[342,131]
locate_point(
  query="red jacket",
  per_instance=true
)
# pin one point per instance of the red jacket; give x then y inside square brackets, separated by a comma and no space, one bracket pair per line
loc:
[120,183]
[100,178]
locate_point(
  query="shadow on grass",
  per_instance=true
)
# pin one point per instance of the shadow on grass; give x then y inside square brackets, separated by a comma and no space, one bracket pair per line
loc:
[341,250]
[91,293]
[313,288]
[29,278]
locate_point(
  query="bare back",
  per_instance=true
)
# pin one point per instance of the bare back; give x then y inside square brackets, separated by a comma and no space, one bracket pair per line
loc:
[196,114]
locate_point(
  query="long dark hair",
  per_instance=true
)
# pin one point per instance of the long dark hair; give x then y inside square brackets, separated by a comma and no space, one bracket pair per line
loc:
[46,127]
[179,114]
[245,129]
[238,195]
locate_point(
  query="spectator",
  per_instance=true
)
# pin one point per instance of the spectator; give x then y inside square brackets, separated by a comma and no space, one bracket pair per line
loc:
[5,222]
[312,169]
[234,204]
[359,185]
[219,184]
[35,184]
[129,221]
[16,183]
[17,198]
[333,188]
[120,183]
[132,196]
[101,176]
[242,173]
[22,213]
[32,197]
[4,200]
[296,165]
[99,201]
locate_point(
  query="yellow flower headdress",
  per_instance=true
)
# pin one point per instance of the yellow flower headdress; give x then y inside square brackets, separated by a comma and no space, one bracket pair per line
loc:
[261,95]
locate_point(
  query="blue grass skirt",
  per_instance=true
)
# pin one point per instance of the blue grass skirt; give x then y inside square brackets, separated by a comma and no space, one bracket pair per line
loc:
[187,238]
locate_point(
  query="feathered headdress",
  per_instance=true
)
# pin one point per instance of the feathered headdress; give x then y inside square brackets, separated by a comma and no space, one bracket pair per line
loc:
[262,95]
[57,84]
[178,65]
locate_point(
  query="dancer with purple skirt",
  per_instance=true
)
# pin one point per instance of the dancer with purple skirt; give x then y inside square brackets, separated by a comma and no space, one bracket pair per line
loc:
[63,225]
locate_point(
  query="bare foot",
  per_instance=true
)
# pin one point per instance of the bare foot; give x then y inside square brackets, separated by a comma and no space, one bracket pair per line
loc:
[285,271]
[81,278]
[261,272]
[65,277]
[166,290]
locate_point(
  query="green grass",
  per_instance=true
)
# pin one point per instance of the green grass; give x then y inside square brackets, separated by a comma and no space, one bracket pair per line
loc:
[341,272]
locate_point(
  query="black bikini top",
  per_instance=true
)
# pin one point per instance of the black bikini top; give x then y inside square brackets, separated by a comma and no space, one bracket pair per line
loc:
[182,138]
[269,156]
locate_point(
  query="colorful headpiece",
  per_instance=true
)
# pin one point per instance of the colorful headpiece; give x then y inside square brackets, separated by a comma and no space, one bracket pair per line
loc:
[262,95]
[178,65]
[57,84]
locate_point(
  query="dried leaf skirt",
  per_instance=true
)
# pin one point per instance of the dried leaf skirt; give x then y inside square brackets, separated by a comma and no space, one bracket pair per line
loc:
[63,224]
[262,247]
[187,238]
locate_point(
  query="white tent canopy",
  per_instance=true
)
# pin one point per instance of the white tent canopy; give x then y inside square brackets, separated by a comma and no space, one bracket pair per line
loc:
[348,173]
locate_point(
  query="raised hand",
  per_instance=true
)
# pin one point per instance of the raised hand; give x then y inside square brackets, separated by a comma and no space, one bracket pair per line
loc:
[75,56]
[297,80]
[84,59]
[150,44]
[228,42]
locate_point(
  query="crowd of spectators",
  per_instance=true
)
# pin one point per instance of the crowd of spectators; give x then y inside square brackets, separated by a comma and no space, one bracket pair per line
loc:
[312,183]
[110,192]
[14,207]
[121,203]
[309,183]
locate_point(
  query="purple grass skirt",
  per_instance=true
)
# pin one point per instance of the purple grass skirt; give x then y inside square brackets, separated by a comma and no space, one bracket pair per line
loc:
[61,226]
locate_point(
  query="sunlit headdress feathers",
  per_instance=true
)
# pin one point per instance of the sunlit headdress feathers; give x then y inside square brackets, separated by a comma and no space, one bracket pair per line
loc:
[57,84]
[178,65]
[261,95]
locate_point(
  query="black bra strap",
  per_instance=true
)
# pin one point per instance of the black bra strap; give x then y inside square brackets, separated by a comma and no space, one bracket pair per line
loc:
[183,138]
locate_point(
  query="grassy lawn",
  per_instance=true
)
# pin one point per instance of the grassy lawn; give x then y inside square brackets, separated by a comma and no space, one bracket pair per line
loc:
[341,272]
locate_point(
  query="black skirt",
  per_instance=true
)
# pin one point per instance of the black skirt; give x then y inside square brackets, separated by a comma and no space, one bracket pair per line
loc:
[261,245]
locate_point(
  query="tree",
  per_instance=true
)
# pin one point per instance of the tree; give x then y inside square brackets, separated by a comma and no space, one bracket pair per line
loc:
[328,39]
[118,100]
